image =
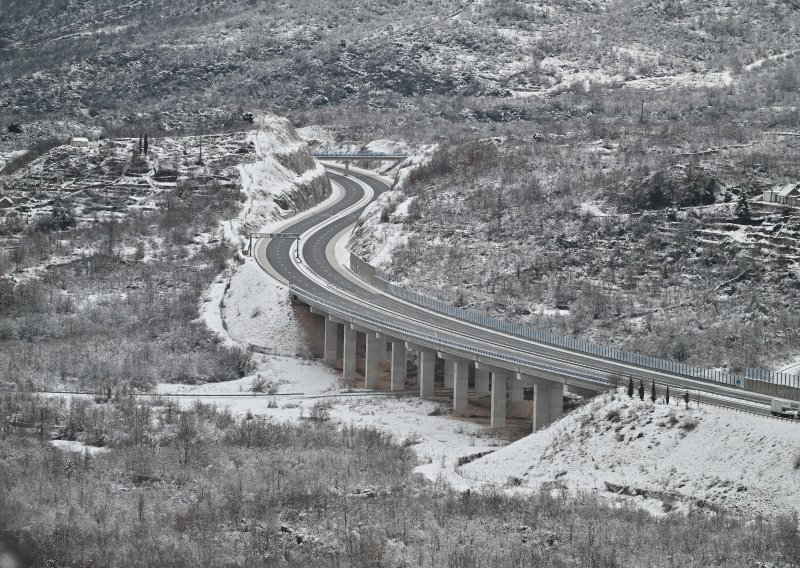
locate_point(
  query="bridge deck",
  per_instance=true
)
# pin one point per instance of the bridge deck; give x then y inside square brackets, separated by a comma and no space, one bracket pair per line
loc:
[357,156]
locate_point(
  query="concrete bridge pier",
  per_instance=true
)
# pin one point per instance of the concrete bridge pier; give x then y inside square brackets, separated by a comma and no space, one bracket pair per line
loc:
[427,370]
[375,354]
[349,355]
[331,350]
[481,380]
[399,366]
[548,400]
[457,376]
[449,372]
[516,398]
[499,387]
[460,386]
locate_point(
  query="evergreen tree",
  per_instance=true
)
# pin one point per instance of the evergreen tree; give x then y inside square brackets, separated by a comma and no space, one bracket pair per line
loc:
[666,395]
[742,210]
[641,390]
[630,387]
[146,145]
[653,392]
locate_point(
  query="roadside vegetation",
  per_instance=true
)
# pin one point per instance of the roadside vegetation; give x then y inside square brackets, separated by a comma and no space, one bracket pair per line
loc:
[100,286]
[193,486]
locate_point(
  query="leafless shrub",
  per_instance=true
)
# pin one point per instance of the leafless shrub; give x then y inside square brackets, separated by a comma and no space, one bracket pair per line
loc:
[320,411]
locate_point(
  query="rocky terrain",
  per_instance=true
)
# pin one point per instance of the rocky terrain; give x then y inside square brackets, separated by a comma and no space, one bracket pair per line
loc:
[108,249]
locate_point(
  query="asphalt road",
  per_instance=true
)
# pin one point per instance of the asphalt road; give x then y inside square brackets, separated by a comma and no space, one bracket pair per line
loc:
[331,283]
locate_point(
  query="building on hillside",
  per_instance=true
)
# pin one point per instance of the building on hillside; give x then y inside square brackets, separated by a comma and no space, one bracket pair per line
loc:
[5,201]
[788,194]
[80,142]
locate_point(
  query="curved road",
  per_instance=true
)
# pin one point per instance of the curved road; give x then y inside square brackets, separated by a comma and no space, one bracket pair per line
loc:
[319,275]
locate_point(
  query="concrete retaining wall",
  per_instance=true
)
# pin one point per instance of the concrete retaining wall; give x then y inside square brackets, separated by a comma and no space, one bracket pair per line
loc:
[367,272]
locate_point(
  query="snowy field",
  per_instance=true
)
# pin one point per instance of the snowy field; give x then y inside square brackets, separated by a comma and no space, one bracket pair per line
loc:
[662,457]
[665,456]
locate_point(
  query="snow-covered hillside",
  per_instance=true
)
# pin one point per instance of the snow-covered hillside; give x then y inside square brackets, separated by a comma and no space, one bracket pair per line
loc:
[666,456]
[283,180]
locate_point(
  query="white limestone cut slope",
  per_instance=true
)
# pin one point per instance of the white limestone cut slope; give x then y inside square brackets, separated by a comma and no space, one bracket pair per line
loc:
[707,456]
[283,180]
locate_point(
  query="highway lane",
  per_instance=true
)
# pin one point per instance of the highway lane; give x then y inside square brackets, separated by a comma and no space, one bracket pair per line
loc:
[332,285]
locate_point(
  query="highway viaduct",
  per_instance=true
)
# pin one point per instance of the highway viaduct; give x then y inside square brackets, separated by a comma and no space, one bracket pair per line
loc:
[355,308]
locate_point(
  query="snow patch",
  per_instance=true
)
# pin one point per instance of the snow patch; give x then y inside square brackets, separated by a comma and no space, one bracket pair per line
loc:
[707,455]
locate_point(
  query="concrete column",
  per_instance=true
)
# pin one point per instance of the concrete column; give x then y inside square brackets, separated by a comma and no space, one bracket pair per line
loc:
[449,369]
[331,341]
[399,366]
[516,397]
[373,359]
[548,402]
[460,378]
[349,354]
[427,369]
[481,380]
[499,386]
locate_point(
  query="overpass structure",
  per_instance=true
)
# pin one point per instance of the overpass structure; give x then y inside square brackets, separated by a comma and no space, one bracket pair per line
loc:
[359,156]
[365,157]
[370,327]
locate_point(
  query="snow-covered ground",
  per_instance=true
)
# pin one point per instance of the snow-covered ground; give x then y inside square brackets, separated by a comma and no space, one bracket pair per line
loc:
[256,312]
[78,447]
[662,457]
[666,455]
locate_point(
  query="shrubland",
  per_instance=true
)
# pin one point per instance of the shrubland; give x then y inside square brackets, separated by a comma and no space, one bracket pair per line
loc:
[192,486]
[103,281]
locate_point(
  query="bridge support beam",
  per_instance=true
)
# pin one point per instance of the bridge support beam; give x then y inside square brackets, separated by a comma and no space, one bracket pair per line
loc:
[331,341]
[399,366]
[516,397]
[457,376]
[499,387]
[376,351]
[460,386]
[548,401]
[481,380]
[349,355]
[449,370]
[427,373]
